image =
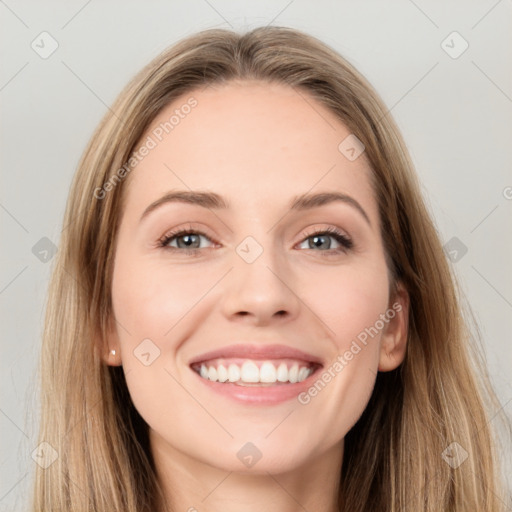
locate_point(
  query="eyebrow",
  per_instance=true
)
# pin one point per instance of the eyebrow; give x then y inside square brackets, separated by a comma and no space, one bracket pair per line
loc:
[211,200]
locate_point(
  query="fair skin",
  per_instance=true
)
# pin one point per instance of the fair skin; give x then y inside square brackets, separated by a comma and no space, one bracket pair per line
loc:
[258,146]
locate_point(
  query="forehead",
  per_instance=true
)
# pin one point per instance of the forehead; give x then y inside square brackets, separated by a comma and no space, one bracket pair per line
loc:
[252,142]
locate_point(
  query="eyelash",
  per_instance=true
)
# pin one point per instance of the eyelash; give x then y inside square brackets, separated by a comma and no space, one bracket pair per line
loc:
[180,232]
[344,241]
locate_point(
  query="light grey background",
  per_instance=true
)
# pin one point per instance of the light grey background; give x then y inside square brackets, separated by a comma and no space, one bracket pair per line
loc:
[455,114]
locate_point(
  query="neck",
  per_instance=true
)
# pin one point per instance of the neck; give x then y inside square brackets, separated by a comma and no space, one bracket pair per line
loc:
[191,485]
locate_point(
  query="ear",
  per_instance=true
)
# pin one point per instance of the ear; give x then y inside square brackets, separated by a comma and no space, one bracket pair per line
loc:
[394,335]
[110,348]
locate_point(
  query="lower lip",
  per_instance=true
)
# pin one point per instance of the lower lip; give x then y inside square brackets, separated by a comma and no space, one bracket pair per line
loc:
[259,394]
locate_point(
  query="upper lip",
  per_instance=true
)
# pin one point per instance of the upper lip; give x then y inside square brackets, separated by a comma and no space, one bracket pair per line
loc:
[251,351]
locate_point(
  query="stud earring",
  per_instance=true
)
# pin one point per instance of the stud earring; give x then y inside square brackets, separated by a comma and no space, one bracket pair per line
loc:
[113,352]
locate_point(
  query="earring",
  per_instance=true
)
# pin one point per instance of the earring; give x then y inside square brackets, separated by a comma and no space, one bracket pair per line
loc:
[113,352]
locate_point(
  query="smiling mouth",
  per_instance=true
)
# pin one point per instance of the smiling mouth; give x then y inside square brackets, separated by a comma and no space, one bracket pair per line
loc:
[250,373]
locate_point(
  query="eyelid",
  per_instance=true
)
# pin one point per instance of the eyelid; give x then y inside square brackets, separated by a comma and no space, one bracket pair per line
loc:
[190,228]
[344,241]
[311,231]
[340,235]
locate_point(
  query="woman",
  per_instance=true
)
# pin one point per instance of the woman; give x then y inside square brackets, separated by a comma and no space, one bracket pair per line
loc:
[251,308]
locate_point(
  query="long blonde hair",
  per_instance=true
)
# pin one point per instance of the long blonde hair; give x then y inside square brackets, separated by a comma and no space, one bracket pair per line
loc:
[393,458]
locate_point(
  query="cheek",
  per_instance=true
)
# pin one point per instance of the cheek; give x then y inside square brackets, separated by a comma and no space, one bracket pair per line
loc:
[350,302]
[149,300]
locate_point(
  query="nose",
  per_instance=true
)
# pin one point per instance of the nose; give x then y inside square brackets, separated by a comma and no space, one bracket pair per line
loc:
[260,292]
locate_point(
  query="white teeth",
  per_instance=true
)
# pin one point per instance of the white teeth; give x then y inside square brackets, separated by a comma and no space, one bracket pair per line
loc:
[268,372]
[233,373]
[222,373]
[249,373]
[303,374]
[293,374]
[282,373]
[212,373]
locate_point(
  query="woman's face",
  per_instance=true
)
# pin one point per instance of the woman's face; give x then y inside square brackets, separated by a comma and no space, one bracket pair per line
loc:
[273,278]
